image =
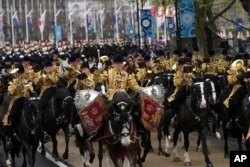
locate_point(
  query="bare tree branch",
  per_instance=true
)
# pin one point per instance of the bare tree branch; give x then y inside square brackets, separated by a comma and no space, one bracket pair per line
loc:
[222,12]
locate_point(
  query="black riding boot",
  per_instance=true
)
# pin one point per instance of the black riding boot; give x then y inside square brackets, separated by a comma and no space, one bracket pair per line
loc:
[8,134]
[45,137]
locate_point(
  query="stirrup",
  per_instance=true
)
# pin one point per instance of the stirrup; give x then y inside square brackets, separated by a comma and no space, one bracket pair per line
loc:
[9,144]
[46,138]
[229,125]
[174,121]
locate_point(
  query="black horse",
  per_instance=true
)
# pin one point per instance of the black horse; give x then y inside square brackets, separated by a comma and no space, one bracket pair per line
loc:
[25,118]
[191,116]
[84,142]
[163,128]
[120,134]
[58,115]
[239,115]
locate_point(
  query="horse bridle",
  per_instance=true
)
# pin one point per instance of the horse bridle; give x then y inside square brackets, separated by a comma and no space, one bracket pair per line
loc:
[125,125]
[213,91]
[33,131]
[61,116]
[191,110]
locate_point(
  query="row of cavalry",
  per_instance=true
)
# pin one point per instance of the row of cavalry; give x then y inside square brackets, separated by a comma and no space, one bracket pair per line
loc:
[122,126]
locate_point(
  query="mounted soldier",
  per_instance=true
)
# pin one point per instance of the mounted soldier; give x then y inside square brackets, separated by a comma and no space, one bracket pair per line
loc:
[18,88]
[182,80]
[236,79]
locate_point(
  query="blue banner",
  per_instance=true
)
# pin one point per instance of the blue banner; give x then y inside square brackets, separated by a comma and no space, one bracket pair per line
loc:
[58,33]
[239,25]
[170,25]
[147,26]
[131,32]
[187,19]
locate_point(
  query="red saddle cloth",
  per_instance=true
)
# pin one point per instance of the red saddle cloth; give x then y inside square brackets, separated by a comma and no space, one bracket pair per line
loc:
[92,116]
[152,111]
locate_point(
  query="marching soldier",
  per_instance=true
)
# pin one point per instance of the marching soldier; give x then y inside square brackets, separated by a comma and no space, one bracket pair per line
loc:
[18,88]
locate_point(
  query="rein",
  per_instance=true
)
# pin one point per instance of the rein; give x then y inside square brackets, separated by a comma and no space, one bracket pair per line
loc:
[33,131]
[198,118]
[61,117]
[117,137]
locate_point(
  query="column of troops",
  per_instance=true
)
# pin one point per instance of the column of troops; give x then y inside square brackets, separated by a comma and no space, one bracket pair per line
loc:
[34,66]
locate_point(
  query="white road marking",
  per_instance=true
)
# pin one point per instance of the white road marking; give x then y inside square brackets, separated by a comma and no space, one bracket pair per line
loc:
[49,157]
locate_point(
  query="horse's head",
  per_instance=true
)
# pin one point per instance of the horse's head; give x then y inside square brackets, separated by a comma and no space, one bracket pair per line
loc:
[63,105]
[222,81]
[212,94]
[167,78]
[200,94]
[33,111]
[120,118]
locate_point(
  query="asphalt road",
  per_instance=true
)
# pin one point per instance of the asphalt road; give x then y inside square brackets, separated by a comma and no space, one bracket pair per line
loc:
[40,161]
[153,160]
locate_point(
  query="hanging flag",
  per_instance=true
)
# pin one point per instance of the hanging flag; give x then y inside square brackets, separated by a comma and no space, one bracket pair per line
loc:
[147,26]
[16,22]
[160,17]
[170,25]
[91,22]
[117,11]
[72,17]
[239,25]
[29,20]
[41,22]
[58,33]
[94,28]
[1,26]
[131,32]
[187,20]
[52,25]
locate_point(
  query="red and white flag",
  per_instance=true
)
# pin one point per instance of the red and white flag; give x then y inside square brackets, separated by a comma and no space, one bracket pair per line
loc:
[41,21]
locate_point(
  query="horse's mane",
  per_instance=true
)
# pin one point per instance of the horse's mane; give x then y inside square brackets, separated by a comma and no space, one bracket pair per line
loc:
[17,109]
[61,93]
[121,96]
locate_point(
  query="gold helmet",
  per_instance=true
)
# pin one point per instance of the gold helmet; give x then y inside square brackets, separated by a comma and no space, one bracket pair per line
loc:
[238,65]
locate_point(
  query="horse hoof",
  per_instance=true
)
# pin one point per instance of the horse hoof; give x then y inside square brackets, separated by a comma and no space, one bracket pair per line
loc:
[57,159]
[226,155]
[142,159]
[210,165]
[187,164]
[166,154]
[159,153]
[177,159]
[43,153]
[65,155]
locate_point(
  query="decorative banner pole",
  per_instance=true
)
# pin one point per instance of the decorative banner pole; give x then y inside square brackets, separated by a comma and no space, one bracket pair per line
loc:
[101,19]
[12,26]
[56,13]
[71,29]
[86,23]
